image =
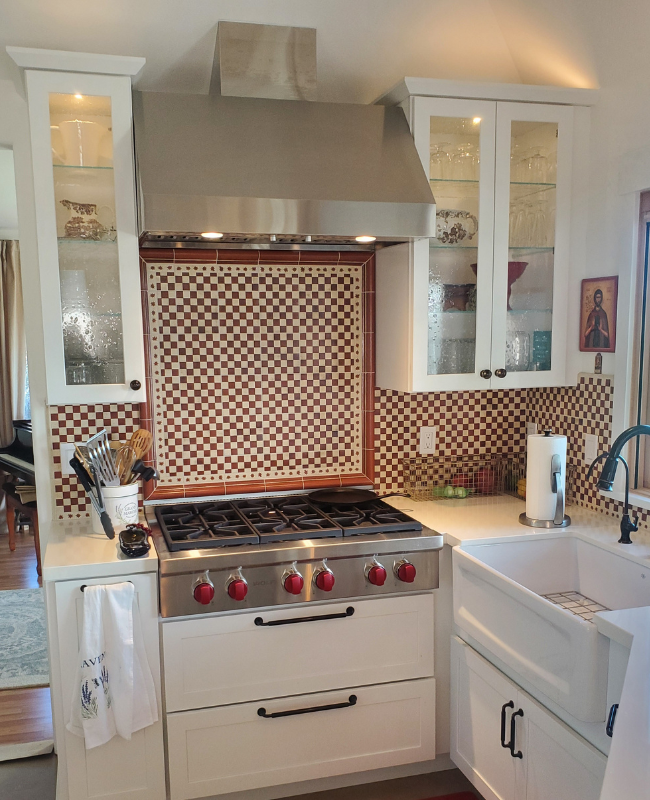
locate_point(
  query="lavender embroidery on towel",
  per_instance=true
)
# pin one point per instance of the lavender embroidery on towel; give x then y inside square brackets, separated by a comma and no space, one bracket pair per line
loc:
[89,705]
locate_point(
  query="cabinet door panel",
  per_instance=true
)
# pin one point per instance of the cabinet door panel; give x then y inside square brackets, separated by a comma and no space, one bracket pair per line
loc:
[452,292]
[228,659]
[236,749]
[132,770]
[560,764]
[532,219]
[478,694]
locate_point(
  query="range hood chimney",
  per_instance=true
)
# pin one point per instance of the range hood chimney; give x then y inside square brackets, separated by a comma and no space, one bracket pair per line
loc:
[257,157]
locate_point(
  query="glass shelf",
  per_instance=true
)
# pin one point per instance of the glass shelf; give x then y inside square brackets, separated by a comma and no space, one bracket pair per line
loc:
[530,311]
[523,250]
[71,239]
[527,183]
[76,166]
[449,246]
[452,180]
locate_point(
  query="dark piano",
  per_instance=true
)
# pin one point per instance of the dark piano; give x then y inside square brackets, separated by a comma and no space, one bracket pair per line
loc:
[18,458]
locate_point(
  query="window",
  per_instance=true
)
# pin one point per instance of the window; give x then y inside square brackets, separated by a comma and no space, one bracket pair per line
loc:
[640,477]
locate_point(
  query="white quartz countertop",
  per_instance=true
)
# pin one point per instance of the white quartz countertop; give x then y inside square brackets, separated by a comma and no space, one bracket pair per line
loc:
[497,518]
[75,552]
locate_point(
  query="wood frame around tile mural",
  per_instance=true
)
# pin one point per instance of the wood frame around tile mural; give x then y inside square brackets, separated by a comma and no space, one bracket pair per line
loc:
[286,356]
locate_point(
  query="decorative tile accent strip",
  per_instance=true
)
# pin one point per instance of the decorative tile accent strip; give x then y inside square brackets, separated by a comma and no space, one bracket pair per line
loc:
[468,423]
[256,372]
[76,424]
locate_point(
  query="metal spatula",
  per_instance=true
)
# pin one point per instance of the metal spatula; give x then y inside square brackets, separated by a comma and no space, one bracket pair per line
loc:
[101,459]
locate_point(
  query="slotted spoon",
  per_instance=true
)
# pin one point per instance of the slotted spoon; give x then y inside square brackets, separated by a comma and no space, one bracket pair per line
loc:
[141,442]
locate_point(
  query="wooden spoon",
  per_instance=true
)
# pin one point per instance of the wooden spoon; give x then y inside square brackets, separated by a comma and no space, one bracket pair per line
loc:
[125,458]
[141,442]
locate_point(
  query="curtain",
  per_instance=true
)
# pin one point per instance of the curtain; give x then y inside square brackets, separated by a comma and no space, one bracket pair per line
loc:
[13,350]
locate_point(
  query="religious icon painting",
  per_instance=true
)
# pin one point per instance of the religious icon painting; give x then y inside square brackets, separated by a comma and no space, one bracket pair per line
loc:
[598,298]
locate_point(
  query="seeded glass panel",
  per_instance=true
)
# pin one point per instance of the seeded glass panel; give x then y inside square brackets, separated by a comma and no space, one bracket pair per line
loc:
[533,170]
[84,196]
[454,176]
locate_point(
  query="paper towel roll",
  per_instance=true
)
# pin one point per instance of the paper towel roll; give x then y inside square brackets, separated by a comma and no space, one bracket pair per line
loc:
[541,501]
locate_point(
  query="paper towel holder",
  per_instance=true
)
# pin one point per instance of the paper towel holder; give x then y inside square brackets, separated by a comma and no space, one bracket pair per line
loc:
[561,520]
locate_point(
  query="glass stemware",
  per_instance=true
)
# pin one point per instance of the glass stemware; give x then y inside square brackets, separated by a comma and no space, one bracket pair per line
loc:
[439,162]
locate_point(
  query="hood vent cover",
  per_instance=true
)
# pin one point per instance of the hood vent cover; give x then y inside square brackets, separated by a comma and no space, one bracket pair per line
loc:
[254,167]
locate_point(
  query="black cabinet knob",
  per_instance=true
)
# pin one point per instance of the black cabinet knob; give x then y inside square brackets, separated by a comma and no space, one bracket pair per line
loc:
[135,385]
[486,373]
[500,373]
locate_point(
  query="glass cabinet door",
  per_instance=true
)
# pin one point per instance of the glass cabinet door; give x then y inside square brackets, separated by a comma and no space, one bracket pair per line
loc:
[84,200]
[456,141]
[88,247]
[532,227]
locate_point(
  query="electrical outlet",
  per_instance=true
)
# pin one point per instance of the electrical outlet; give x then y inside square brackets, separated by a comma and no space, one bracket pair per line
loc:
[427,441]
[591,447]
[531,428]
[67,451]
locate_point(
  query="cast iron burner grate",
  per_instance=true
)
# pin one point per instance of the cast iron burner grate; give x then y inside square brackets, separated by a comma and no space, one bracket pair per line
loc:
[278,519]
[194,526]
[373,516]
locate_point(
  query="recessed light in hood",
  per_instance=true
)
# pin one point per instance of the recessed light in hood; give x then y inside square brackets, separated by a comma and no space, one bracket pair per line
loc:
[212,235]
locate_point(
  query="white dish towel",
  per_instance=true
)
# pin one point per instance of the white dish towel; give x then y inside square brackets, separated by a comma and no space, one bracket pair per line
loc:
[114,690]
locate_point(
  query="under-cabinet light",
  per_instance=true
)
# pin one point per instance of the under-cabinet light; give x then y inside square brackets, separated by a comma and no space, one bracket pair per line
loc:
[79,96]
[476,120]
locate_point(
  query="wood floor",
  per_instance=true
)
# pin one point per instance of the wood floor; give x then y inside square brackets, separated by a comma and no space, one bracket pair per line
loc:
[25,714]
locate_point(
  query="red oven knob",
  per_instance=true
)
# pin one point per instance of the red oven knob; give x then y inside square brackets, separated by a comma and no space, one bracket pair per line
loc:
[377,575]
[406,572]
[237,589]
[293,583]
[203,593]
[325,580]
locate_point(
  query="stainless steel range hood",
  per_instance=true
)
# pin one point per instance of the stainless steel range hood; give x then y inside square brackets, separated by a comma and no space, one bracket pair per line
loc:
[253,166]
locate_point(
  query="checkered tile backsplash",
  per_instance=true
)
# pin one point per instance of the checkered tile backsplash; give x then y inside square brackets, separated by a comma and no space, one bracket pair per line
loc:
[575,411]
[76,424]
[468,423]
[256,372]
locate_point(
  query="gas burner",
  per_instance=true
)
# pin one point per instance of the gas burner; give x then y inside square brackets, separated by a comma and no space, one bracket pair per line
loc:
[373,516]
[188,527]
[278,519]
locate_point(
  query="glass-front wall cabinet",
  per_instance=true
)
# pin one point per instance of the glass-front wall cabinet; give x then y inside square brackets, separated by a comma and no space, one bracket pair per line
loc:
[500,176]
[88,250]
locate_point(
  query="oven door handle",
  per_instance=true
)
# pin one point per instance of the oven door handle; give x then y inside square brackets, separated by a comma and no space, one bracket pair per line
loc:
[352,701]
[349,611]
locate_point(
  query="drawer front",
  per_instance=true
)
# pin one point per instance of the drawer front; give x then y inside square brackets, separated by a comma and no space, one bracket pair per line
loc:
[231,659]
[230,749]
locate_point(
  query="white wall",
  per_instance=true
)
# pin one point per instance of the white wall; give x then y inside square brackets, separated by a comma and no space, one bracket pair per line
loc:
[8,202]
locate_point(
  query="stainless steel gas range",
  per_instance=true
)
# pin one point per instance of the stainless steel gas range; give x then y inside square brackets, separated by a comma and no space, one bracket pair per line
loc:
[252,553]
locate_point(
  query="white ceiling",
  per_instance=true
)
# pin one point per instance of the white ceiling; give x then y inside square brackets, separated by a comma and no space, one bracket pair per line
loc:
[364,46]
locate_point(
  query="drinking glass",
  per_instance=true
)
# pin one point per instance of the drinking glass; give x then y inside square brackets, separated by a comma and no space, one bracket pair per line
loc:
[518,351]
[439,162]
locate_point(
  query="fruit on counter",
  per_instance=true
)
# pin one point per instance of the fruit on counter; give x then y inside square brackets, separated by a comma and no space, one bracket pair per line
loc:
[439,491]
[521,488]
[461,491]
[463,479]
[450,491]
[485,480]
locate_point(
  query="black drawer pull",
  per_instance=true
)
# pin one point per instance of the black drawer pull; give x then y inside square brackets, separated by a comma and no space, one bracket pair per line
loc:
[510,704]
[349,611]
[518,713]
[611,719]
[352,701]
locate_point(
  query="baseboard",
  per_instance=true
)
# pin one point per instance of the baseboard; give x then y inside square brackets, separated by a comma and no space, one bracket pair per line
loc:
[441,763]
[9,752]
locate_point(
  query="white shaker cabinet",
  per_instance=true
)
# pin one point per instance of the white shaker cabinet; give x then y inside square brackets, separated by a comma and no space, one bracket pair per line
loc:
[84,184]
[508,745]
[485,304]
[128,770]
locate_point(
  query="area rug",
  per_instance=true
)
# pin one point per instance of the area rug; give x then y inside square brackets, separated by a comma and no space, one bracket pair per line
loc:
[23,639]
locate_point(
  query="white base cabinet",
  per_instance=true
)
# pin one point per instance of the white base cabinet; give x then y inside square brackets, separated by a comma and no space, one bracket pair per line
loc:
[130,770]
[545,760]
[235,748]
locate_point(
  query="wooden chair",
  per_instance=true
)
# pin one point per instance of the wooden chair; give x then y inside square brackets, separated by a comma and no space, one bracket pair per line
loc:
[29,510]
